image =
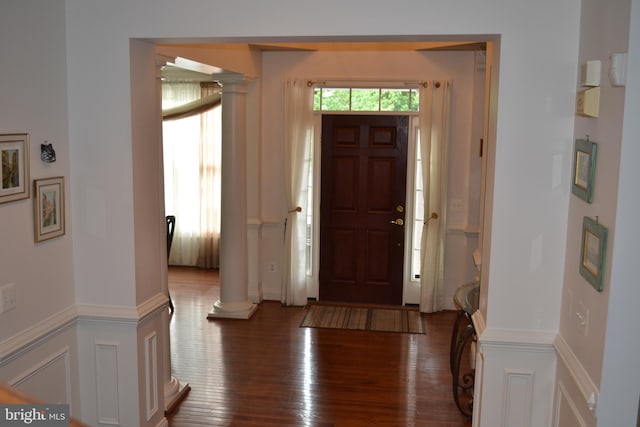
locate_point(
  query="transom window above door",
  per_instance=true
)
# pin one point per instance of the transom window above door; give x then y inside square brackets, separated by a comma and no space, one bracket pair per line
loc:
[365,99]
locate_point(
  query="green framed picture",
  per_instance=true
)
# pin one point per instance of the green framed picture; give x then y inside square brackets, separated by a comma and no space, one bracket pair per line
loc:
[593,252]
[584,169]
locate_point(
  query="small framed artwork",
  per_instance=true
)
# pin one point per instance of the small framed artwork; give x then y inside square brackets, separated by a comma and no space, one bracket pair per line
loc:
[14,167]
[584,169]
[593,252]
[48,208]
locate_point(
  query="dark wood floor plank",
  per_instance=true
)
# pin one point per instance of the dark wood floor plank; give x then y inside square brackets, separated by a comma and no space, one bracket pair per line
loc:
[267,371]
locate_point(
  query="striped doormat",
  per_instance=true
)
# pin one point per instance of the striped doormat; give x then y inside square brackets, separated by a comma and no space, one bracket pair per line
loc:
[402,320]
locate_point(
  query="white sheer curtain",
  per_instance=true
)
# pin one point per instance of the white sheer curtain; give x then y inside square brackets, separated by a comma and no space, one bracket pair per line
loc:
[434,149]
[192,164]
[298,107]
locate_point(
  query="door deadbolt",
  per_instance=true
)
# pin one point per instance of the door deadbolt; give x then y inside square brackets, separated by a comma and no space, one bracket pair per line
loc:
[400,208]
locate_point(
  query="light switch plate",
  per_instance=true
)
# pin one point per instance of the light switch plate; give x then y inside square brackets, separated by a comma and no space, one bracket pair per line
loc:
[7,297]
[590,75]
[588,102]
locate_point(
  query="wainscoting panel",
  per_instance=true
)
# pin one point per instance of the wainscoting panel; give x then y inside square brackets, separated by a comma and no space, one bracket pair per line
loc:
[106,364]
[477,385]
[272,258]
[518,397]
[151,373]
[577,395]
[566,411]
[517,373]
[120,352]
[253,260]
[42,361]
[50,379]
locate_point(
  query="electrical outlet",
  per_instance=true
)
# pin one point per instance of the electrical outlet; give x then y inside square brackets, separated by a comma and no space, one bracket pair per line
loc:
[7,297]
[582,314]
[272,267]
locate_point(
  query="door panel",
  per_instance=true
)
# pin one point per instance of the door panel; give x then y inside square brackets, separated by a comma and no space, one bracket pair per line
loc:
[381,173]
[363,180]
[345,184]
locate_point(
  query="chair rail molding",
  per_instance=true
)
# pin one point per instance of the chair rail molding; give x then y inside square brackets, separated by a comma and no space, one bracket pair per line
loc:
[122,314]
[17,345]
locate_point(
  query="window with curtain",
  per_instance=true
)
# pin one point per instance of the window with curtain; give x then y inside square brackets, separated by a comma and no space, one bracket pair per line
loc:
[192,140]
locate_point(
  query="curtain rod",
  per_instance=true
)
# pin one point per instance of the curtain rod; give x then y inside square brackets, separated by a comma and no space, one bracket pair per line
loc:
[311,83]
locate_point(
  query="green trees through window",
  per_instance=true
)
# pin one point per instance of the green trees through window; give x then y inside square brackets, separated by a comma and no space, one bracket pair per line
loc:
[365,99]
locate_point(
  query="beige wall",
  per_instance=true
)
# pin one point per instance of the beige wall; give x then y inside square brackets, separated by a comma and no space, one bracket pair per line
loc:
[585,311]
[597,42]
[33,92]
[34,102]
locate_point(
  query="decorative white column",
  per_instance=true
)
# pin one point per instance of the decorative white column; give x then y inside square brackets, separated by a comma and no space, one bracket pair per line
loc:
[234,300]
[174,391]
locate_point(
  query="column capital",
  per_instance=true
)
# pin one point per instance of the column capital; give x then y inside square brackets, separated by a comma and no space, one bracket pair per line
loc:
[161,61]
[232,82]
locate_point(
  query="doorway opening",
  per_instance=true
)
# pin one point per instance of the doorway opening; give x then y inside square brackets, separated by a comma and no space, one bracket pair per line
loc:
[269,272]
[192,135]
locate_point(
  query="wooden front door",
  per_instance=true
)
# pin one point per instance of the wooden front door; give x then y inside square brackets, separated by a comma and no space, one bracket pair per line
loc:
[362,208]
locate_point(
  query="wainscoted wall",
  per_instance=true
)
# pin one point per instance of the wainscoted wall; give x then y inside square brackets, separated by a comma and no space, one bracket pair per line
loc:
[44,364]
[253,260]
[514,378]
[151,383]
[271,245]
[576,395]
[120,363]
[106,386]
[106,362]
[151,370]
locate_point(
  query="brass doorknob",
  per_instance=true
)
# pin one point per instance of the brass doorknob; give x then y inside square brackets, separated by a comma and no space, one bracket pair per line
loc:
[398,221]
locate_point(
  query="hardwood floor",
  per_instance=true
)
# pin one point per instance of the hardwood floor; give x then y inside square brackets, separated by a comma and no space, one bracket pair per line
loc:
[267,371]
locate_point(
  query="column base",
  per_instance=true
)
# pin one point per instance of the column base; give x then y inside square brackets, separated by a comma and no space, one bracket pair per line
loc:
[174,394]
[243,310]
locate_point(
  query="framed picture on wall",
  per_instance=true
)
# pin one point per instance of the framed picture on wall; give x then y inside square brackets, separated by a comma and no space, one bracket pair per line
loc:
[584,169]
[14,167]
[593,252]
[48,208]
